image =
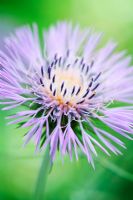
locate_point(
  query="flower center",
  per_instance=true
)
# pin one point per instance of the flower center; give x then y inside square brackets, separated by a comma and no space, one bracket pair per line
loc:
[69,84]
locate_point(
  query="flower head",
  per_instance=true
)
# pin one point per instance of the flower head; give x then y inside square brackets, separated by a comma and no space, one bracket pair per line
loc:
[68,86]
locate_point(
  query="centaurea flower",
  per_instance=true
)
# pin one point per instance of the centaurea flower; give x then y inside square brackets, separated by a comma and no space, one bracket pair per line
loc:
[68,85]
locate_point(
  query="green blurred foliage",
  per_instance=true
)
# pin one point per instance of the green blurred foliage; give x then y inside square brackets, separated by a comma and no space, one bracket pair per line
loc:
[113,177]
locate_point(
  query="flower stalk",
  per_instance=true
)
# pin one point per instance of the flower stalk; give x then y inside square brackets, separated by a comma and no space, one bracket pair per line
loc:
[42,177]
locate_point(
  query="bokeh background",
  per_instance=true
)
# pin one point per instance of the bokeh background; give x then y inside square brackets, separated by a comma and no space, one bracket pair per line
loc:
[113,177]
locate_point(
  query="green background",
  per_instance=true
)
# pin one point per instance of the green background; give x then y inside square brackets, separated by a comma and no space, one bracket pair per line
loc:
[113,177]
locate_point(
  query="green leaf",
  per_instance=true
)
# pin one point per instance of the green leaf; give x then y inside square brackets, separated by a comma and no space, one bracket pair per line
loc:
[116,169]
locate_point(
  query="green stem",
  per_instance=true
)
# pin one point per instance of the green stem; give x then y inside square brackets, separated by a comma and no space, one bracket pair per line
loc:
[42,176]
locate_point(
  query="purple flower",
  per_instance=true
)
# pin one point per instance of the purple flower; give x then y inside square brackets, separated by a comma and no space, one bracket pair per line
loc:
[74,94]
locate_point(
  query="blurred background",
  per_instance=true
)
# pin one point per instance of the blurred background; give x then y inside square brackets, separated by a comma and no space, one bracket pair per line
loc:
[113,177]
